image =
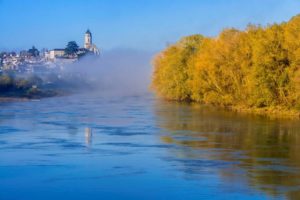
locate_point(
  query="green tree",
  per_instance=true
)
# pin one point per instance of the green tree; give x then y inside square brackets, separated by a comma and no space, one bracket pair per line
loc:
[34,80]
[34,51]
[6,82]
[71,48]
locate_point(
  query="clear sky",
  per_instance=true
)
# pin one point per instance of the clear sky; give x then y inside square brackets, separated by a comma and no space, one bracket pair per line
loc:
[137,24]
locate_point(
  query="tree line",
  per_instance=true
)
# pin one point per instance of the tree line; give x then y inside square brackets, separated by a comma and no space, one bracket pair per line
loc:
[255,68]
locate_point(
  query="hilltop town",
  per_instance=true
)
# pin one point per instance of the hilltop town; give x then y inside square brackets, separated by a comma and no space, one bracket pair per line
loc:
[36,74]
[35,61]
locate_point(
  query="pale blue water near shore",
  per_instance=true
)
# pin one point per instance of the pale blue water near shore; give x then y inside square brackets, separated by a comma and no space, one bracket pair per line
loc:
[137,147]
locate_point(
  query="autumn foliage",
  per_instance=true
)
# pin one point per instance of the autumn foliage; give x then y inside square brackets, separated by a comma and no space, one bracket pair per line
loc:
[255,68]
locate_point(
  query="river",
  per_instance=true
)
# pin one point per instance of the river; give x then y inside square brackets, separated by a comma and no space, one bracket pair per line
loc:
[139,147]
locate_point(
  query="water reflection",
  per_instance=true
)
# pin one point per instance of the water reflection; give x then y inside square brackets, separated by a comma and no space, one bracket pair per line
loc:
[88,136]
[83,144]
[261,151]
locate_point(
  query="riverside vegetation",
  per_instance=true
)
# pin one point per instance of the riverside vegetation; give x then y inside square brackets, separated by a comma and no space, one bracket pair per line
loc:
[14,87]
[255,70]
[23,87]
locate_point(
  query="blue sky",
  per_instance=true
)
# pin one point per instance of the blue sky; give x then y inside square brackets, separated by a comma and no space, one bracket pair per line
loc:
[137,24]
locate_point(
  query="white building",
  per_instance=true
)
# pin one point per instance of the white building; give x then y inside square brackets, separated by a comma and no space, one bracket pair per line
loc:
[55,53]
[88,47]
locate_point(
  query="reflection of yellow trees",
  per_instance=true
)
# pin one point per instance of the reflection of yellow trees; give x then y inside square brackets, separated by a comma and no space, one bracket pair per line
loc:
[255,68]
[266,150]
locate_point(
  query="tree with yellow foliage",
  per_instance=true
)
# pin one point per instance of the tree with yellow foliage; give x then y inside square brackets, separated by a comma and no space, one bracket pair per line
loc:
[171,74]
[255,68]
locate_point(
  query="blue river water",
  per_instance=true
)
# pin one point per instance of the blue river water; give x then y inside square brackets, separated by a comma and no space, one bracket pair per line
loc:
[139,147]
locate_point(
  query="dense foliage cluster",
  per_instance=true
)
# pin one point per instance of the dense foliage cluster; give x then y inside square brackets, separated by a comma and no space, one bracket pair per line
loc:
[42,85]
[33,52]
[11,86]
[255,68]
[71,48]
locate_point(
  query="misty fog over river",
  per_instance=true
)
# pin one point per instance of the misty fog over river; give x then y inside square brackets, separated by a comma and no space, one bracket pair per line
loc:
[138,147]
[120,142]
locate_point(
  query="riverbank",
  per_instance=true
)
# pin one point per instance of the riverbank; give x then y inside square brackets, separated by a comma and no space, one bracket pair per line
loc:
[22,88]
[27,94]
[272,112]
[13,99]
[269,112]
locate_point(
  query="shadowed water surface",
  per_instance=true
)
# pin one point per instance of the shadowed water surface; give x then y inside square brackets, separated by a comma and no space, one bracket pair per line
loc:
[136,147]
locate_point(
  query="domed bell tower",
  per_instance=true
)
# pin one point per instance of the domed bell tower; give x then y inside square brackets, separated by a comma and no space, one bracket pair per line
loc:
[88,39]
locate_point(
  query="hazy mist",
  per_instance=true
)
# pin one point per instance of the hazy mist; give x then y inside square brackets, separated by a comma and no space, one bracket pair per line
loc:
[118,71]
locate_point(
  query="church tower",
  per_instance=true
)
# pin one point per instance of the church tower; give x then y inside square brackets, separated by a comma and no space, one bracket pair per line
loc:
[88,39]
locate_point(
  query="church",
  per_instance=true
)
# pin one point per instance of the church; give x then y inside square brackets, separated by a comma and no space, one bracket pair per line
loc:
[88,43]
[88,47]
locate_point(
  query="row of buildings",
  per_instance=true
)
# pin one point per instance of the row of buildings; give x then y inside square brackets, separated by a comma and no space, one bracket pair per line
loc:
[34,60]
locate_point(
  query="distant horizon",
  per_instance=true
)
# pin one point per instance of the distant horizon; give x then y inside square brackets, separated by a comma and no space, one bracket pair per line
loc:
[141,25]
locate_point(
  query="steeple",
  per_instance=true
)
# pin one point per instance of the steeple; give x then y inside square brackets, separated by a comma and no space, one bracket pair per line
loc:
[88,32]
[88,39]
